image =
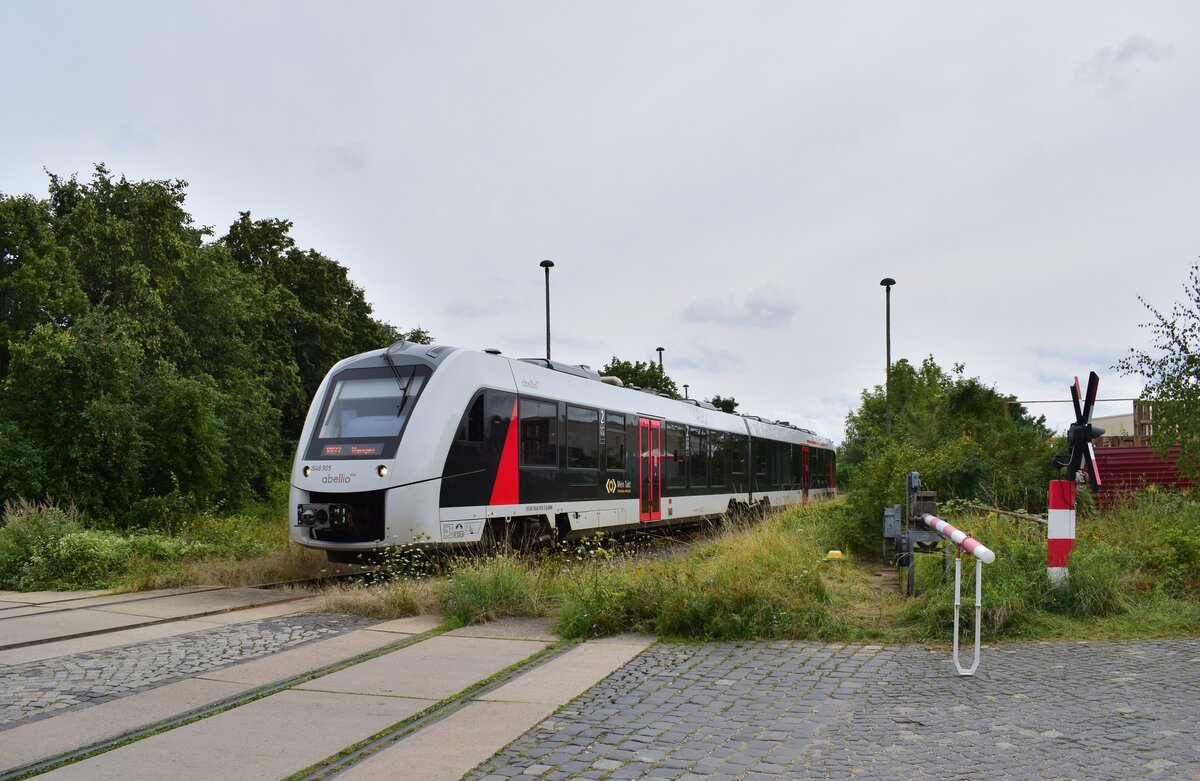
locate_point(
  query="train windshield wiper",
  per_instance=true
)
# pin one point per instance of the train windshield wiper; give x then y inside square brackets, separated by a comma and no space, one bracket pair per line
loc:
[404,384]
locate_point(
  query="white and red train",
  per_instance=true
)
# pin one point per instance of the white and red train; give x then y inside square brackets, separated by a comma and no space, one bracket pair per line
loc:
[436,444]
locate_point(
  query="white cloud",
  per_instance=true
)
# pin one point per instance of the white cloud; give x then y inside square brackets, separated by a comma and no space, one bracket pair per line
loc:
[1111,68]
[763,308]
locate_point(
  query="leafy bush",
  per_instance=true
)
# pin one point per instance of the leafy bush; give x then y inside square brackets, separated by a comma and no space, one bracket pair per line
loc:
[28,539]
[43,546]
[966,439]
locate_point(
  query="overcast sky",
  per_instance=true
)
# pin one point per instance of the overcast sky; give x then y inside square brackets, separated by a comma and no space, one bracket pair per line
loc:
[729,181]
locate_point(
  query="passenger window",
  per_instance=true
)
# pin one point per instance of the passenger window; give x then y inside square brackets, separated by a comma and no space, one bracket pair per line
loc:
[583,438]
[539,433]
[719,459]
[614,441]
[736,454]
[697,458]
[674,474]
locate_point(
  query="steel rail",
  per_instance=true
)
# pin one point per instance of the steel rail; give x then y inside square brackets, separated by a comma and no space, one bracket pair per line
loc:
[172,619]
[381,740]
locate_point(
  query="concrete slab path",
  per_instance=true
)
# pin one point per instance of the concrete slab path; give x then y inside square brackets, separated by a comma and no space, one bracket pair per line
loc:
[35,741]
[288,731]
[451,747]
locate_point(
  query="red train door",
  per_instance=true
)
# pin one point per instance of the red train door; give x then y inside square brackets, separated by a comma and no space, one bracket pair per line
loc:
[649,469]
[804,473]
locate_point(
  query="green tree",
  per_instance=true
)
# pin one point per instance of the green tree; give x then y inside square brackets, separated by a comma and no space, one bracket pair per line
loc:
[641,374]
[70,393]
[38,280]
[1173,375]
[726,404]
[313,314]
[144,366]
[966,439]
[131,243]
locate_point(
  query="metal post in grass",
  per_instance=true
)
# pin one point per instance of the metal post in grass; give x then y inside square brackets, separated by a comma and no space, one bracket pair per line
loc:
[1060,527]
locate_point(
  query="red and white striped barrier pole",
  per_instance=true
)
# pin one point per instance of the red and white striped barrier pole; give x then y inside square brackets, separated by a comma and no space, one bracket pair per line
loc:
[1060,537]
[982,554]
[960,538]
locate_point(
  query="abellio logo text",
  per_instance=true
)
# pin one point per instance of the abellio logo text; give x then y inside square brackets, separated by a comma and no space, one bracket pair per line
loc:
[340,478]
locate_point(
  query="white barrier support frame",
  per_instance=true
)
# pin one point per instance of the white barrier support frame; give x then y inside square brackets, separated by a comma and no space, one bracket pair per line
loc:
[957,606]
[965,543]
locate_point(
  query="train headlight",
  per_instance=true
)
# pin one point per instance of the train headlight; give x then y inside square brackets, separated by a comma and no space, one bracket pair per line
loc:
[382,470]
[307,471]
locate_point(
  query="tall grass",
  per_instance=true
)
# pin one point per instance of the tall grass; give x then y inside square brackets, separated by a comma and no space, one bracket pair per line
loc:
[768,580]
[482,590]
[46,546]
[1138,563]
[1135,572]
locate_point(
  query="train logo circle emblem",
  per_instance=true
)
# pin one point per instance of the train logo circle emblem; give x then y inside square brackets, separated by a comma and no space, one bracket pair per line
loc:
[611,486]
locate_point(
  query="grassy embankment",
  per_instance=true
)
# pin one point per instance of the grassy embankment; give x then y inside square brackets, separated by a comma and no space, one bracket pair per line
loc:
[1136,573]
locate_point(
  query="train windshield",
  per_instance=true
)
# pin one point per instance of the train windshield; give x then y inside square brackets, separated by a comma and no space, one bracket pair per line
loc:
[365,411]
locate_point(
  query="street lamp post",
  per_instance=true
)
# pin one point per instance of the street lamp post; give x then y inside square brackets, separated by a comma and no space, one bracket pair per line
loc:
[547,264]
[660,352]
[887,283]
[685,390]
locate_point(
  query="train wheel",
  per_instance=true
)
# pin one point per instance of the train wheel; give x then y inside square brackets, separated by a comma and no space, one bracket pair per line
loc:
[493,534]
[532,534]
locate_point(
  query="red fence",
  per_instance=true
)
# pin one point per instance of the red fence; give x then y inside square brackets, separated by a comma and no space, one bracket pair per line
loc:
[1125,469]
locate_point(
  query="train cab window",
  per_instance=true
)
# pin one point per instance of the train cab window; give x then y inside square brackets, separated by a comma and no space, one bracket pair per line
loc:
[697,458]
[614,441]
[539,433]
[365,411]
[717,467]
[673,465]
[583,438]
[470,430]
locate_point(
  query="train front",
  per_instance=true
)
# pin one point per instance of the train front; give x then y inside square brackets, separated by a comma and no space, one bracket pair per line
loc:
[355,489]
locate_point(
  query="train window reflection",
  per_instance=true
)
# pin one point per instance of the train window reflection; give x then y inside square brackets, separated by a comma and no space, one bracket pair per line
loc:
[369,407]
[539,433]
[583,438]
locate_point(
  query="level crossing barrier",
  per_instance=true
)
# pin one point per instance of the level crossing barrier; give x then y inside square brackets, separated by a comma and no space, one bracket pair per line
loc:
[965,543]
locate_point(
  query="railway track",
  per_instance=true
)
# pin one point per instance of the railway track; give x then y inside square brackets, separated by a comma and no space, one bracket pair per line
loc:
[119,600]
[647,543]
[336,763]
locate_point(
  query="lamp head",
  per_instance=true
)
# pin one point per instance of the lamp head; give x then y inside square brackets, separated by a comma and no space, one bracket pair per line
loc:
[887,282]
[547,264]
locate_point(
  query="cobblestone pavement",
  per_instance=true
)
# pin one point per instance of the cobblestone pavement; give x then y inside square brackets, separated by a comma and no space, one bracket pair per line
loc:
[1102,710]
[35,690]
